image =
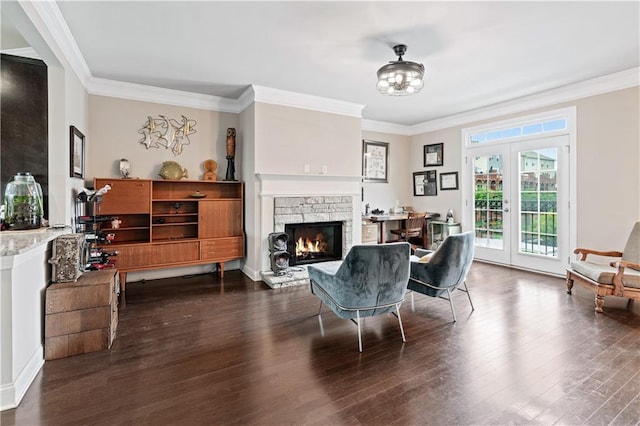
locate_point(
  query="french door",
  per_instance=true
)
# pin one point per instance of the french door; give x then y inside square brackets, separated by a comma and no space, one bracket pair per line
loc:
[519,204]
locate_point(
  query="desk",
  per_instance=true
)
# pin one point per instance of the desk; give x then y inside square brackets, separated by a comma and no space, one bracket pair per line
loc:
[382,221]
[445,229]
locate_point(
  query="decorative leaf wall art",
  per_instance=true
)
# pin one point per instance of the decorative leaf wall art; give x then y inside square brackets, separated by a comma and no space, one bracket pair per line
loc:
[167,132]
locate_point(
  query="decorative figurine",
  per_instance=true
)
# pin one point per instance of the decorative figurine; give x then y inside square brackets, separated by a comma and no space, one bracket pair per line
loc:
[210,167]
[171,170]
[231,153]
[125,168]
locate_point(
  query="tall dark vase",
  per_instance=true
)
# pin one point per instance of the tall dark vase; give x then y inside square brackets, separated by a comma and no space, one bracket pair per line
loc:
[231,153]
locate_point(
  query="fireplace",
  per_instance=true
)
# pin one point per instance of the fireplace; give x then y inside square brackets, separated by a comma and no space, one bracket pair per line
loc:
[314,242]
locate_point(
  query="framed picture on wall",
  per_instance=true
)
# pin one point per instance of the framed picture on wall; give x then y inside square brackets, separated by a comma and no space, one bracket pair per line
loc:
[431,183]
[77,153]
[433,155]
[418,183]
[375,161]
[448,181]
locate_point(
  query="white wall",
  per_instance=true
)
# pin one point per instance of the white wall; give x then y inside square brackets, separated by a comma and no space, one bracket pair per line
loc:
[112,134]
[287,138]
[608,165]
[451,162]
[251,262]
[399,188]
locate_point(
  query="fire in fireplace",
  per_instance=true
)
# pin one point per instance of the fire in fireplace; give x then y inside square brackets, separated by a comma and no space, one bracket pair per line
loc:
[314,242]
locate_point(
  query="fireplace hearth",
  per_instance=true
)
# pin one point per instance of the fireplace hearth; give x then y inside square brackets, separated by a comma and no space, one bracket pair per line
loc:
[314,242]
[304,211]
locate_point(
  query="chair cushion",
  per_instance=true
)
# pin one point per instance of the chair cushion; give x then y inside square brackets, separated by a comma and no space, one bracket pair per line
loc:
[603,274]
[448,266]
[631,251]
[422,252]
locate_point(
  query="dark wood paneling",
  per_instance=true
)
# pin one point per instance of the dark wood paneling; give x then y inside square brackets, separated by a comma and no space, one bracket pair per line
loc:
[24,126]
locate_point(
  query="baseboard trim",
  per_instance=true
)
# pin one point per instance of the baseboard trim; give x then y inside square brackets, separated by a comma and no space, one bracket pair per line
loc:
[520,268]
[251,273]
[11,394]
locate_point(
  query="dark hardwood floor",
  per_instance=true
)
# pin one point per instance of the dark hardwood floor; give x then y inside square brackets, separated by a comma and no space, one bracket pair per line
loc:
[200,350]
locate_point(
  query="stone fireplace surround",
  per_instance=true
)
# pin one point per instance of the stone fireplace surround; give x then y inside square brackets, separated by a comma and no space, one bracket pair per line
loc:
[307,198]
[310,209]
[330,208]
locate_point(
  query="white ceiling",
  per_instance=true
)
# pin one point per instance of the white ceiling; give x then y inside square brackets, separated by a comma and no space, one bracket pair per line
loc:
[475,53]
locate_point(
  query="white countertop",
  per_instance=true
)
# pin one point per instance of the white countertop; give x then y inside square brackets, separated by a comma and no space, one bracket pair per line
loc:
[18,242]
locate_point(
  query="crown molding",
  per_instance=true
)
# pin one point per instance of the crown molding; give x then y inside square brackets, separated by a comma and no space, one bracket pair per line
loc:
[55,23]
[246,98]
[301,100]
[25,52]
[384,127]
[571,92]
[143,93]
[57,26]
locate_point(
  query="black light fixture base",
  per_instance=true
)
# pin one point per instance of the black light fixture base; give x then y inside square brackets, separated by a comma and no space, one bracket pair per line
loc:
[400,50]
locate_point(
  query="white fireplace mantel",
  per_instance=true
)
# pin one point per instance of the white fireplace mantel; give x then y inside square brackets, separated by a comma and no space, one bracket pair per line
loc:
[275,185]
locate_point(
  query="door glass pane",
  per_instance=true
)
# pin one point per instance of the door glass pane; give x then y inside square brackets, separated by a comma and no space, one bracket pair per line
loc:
[488,201]
[538,202]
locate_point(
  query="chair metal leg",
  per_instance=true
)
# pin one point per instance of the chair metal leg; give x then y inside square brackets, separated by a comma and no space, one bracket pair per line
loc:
[453,312]
[466,290]
[413,306]
[397,313]
[319,309]
[359,334]
[321,325]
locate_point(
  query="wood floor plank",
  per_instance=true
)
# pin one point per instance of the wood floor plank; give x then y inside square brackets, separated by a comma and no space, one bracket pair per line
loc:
[201,350]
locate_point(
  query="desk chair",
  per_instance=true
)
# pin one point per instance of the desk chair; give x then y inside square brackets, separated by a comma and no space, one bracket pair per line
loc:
[413,226]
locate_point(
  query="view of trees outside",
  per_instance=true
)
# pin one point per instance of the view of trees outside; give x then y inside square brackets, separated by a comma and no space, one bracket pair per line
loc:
[488,201]
[539,202]
[538,194]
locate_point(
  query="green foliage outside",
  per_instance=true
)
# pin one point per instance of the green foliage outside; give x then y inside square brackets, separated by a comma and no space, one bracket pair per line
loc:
[545,222]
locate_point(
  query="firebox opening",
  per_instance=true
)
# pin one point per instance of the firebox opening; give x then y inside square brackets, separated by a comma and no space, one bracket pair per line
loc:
[314,242]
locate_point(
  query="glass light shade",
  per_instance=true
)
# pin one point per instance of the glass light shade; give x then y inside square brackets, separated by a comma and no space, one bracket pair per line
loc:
[400,78]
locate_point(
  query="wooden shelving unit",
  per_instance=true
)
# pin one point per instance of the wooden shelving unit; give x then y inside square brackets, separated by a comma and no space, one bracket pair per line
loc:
[168,223]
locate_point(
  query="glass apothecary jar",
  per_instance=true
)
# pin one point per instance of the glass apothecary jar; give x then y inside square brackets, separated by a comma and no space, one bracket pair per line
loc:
[23,203]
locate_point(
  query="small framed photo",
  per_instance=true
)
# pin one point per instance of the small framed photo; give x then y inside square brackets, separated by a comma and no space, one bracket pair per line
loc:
[418,183]
[77,153]
[431,183]
[375,161]
[433,154]
[448,181]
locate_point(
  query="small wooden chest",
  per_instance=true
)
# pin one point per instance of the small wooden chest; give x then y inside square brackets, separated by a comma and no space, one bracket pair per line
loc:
[81,316]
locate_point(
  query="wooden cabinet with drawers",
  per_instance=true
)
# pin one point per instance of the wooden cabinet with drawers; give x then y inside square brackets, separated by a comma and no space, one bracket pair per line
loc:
[81,316]
[168,223]
[370,232]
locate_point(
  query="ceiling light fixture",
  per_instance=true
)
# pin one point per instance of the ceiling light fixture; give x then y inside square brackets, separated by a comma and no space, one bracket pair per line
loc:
[400,78]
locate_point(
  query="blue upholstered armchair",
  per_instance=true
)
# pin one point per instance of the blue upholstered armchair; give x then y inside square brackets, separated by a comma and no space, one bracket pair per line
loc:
[372,280]
[445,270]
